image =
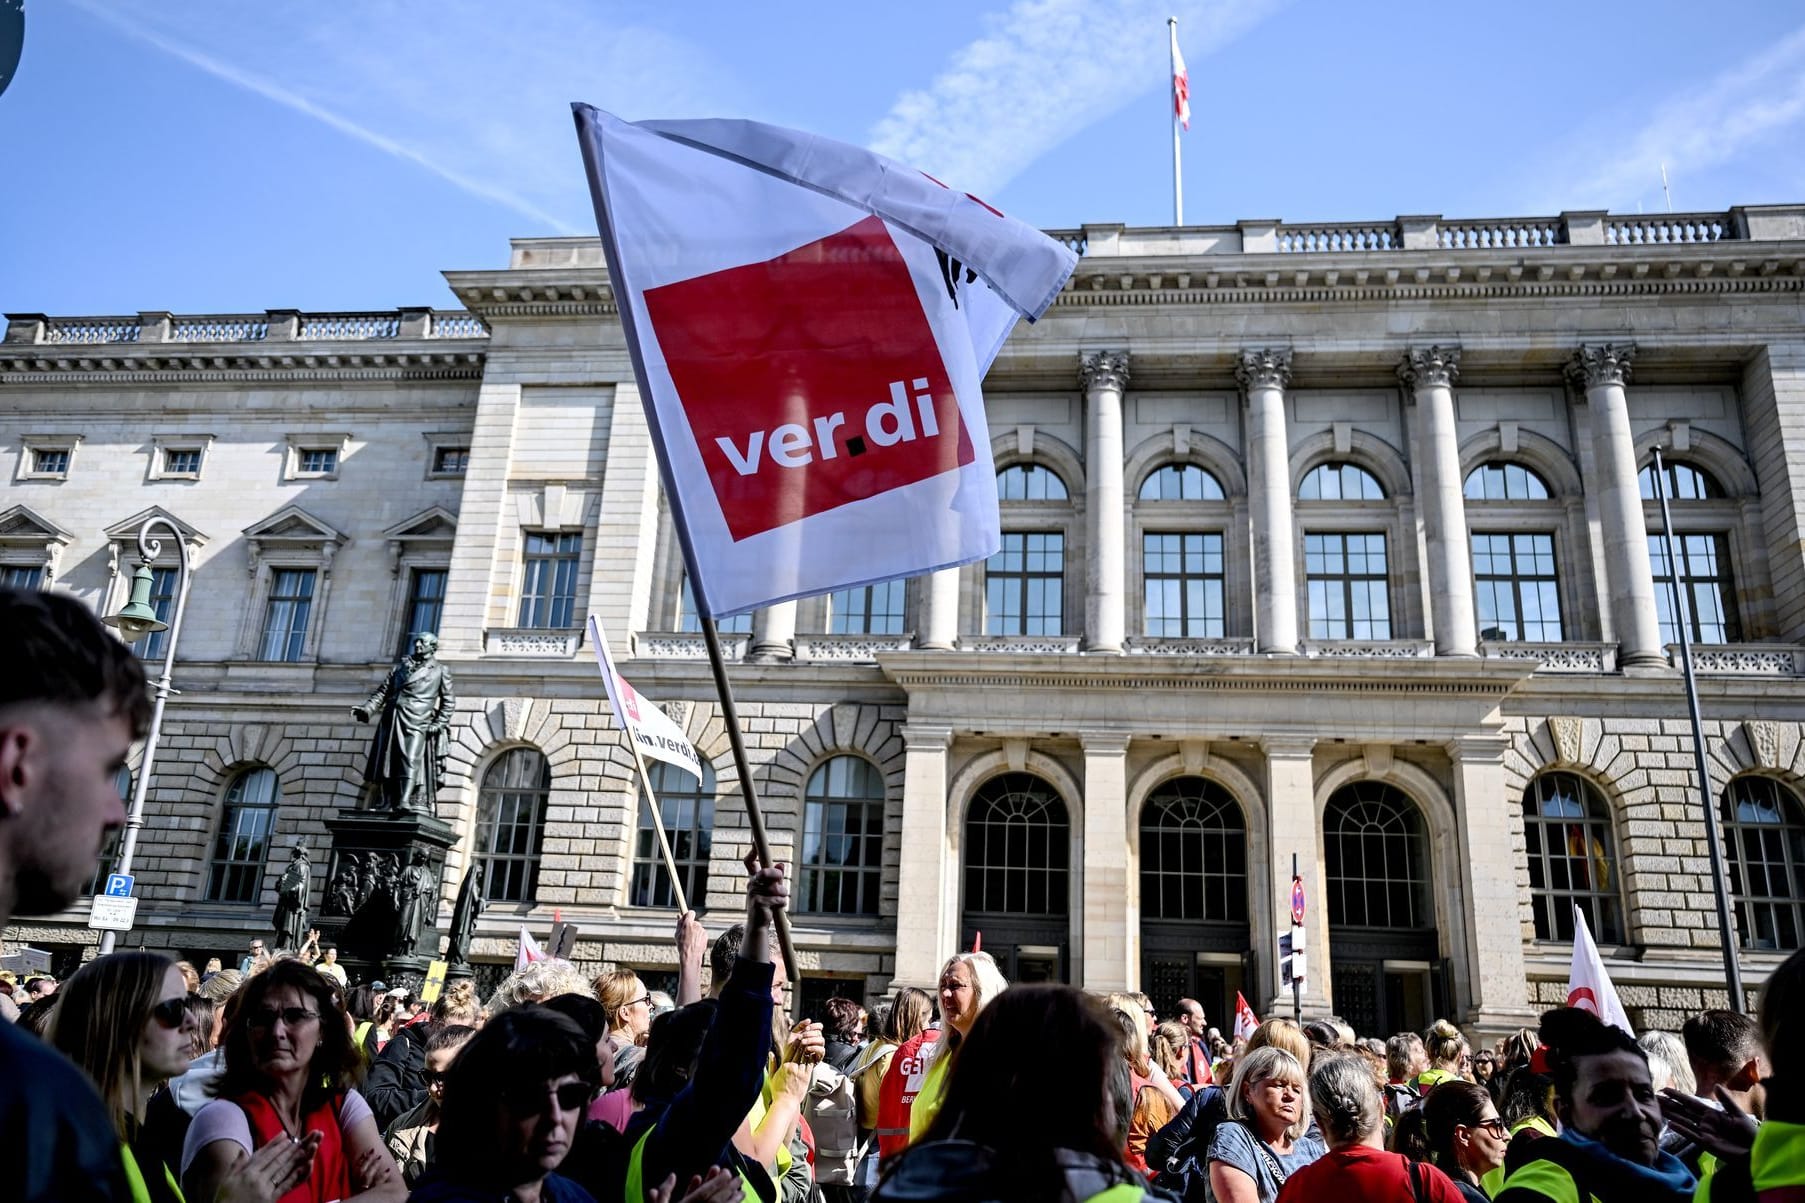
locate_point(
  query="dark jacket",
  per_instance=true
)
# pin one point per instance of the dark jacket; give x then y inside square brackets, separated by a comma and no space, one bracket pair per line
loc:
[435,1189]
[841,1055]
[958,1171]
[1189,1132]
[397,1082]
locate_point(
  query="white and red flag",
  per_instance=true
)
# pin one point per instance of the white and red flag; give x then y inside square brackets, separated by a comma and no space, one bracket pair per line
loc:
[1588,985]
[528,952]
[809,323]
[1181,84]
[656,733]
[1246,1022]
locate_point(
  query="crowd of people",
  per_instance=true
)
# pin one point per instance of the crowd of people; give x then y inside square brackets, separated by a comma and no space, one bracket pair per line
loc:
[277,1081]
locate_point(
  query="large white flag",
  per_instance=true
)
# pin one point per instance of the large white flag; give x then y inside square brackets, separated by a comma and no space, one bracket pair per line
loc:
[809,323]
[1588,985]
[657,735]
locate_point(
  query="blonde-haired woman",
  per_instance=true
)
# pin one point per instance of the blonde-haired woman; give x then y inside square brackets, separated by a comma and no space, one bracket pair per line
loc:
[1282,1034]
[1153,1100]
[1264,1140]
[1449,1055]
[969,982]
[123,1019]
[629,1007]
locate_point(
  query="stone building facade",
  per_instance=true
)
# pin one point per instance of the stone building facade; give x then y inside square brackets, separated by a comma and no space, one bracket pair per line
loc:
[1325,542]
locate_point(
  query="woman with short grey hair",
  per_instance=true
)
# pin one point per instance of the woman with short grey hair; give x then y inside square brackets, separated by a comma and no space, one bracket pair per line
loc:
[1263,1141]
[1349,1108]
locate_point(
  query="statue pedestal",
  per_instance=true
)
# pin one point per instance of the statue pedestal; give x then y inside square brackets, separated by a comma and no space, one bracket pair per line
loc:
[360,911]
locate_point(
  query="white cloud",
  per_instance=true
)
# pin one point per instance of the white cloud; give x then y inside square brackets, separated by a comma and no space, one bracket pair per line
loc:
[476,93]
[1043,71]
[1707,127]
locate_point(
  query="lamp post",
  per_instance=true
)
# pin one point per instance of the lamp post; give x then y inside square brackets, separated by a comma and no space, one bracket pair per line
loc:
[134,622]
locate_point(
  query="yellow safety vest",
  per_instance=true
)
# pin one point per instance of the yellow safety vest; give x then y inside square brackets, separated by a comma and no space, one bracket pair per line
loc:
[1122,1193]
[933,1093]
[1493,1182]
[134,1177]
[636,1187]
[761,1105]
[1544,1178]
[1777,1163]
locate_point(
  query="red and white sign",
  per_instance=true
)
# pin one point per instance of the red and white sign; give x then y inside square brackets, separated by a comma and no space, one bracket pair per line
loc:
[1246,1022]
[1588,985]
[809,324]
[657,735]
[528,952]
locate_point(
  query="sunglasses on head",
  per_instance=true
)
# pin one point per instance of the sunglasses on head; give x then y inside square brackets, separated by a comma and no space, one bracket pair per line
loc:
[571,1096]
[170,1012]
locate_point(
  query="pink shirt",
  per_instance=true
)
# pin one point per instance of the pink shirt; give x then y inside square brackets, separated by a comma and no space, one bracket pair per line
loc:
[614,1109]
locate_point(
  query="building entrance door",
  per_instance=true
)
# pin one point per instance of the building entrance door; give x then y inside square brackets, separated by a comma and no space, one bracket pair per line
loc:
[1172,968]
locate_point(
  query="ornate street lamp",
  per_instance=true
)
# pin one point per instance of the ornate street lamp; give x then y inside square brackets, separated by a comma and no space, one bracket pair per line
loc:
[134,622]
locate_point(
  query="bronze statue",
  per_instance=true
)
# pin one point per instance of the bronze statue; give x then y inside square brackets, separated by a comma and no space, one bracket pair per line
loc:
[412,708]
[463,917]
[415,892]
[291,901]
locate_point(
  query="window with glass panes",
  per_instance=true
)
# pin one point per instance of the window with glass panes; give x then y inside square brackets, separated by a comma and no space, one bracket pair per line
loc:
[686,806]
[1376,858]
[1349,589]
[1501,480]
[162,602]
[1181,482]
[181,461]
[548,583]
[285,614]
[1764,834]
[1193,853]
[1182,576]
[1340,482]
[319,461]
[425,605]
[109,849]
[241,849]
[1706,592]
[1683,483]
[867,610]
[1516,588]
[452,461]
[843,837]
[1030,482]
[690,621]
[21,576]
[1017,848]
[510,830]
[1024,585]
[50,461]
[1567,832]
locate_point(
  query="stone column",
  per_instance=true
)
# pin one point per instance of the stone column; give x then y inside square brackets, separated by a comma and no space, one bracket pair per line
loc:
[1264,374]
[927,889]
[939,626]
[1109,941]
[1602,368]
[1105,375]
[773,633]
[1291,807]
[1493,974]
[1430,374]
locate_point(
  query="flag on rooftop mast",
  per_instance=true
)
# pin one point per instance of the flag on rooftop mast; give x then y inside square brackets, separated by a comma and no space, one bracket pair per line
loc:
[1181,118]
[809,323]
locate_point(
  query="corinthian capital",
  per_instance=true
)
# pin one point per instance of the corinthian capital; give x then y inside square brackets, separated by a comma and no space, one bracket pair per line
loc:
[1430,367]
[1266,368]
[1103,369]
[1602,363]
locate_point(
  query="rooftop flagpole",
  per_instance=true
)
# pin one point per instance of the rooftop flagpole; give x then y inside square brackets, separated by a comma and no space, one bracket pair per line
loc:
[1180,105]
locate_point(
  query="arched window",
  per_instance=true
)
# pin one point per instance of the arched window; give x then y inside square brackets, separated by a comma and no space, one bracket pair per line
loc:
[1181,482]
[235,873]
[687,807]
[1572,858]
[1193,853]
[1685,482]
[510,824]
[843,837]
[1764,829]
[1377,857]
[1501,480]
[1030,482]
[1017,848]
[1340,482]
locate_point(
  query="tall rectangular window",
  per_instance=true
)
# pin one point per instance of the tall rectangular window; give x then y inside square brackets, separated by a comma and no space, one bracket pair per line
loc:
[285,615]
[21,576]
[235,872]
[425,605]
[1182,576]
[1516,587]
[162,600]
[867,610]
[1024,585]
[1704,584]
[688,620]
[548,587]
[1350,595]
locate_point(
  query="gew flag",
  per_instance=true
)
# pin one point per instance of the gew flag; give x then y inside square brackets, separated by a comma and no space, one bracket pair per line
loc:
[809,323]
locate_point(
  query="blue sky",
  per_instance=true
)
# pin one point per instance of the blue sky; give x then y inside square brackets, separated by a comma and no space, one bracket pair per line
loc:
[217,156]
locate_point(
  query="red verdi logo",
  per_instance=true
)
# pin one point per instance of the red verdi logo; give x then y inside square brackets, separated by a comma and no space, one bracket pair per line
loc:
[811,380]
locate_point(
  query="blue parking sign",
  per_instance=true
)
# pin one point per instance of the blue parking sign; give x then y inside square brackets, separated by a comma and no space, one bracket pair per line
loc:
[119,885]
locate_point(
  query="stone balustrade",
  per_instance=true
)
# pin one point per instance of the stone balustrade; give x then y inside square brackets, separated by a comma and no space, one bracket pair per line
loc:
[272,326]
[1670,228]
[1500,233]
[1340,236]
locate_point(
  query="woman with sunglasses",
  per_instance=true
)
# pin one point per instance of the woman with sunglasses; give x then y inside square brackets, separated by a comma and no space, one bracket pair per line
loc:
[290,1066]
[1467,1138]
[411,1138]
[124,1019]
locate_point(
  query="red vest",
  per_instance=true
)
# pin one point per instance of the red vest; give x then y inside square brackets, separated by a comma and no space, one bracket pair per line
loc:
[896,1096]
[331,1177]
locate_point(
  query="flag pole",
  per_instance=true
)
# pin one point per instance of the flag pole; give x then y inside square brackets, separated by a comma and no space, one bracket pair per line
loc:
[1726,930]
[664,842]
[755,817]
[1178,187]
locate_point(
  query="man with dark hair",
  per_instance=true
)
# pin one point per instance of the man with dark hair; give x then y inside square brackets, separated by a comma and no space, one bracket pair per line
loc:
[1725,1050]
[72,700]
